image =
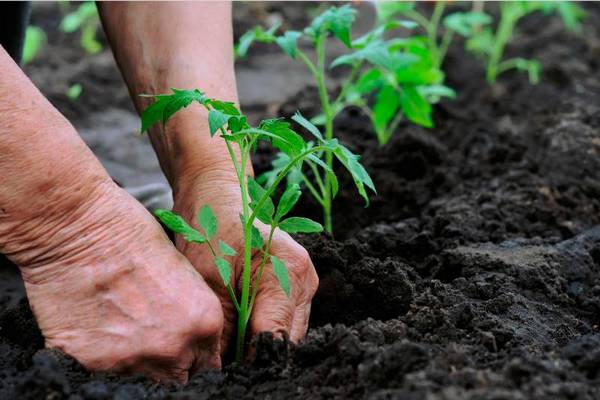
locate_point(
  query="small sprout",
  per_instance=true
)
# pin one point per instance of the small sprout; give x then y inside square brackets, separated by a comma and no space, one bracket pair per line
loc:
[84,19]
[258,203]
[35,38]
[74,91]
[489,44]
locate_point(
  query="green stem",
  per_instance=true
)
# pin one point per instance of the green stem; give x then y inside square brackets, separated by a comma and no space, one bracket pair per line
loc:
[228,285]
[325,104]
[246,274]
[391,128]
[317,175]
[503,33]
[438,11]
[446,40]
[259,273]
[312,189]
[282,174]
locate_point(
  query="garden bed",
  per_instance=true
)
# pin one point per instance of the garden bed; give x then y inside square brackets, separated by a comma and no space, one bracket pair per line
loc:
[474,274]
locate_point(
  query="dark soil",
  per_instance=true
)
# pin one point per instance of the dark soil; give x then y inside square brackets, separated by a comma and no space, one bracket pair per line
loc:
[475,273]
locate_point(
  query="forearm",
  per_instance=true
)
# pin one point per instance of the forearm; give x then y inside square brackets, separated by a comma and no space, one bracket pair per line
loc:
[46,168]
[182,45]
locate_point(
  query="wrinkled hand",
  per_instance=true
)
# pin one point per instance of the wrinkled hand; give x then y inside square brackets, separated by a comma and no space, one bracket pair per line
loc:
[113,292]
[273,310]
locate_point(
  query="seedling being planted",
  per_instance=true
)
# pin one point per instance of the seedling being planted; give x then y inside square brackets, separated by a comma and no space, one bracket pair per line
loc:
[258,202]
[402,78]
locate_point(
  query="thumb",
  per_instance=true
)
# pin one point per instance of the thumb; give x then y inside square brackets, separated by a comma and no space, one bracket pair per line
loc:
[273,311]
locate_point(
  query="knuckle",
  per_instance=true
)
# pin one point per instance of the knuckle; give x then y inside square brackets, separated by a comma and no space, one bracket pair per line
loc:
[208,320]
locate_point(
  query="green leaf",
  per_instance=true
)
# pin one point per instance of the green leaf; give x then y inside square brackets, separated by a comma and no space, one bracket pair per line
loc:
[285,139]
[178,225]
[35,38]
[281,273]
[300,225]
[256,240]
[168,104]
[335,186]
[386,106]
[265,213]
[74,91]
[216,120]
[359,174]
[337,20]
[532,67]
[466,23]
[571,15]
[257,34]
[288,200]
[369,81]
[226,250]
[207,221]
[224,270]
[387,9]
[415,107]
[226,107]
[481,43]
[437,91]
[308,125]
[289,42]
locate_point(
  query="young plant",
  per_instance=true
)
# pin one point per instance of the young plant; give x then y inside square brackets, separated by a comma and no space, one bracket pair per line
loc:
[463,23]
[35,38]
[490,44]
[85,19]
[258,203]
[402,78]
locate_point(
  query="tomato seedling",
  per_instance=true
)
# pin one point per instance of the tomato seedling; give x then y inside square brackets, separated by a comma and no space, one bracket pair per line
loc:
[258,203]
[489,44]
[402,78]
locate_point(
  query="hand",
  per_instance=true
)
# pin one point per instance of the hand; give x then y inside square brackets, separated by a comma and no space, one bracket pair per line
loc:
[273,310]
[115,294]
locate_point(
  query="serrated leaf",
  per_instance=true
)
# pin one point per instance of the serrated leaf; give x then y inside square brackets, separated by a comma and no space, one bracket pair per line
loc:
[256,240]
[285,139]
[337,20]
[207,221]
[216,120]
[335,186]
[281,273]
[415,107]
[307,125]
[178,225]
[288,200]
[300,225]
[224,269]
[265,213]
[386,105]
[226,249]
[226,107]
[369,81]
[168,104]
[357,171]
[437,91]
[289,42]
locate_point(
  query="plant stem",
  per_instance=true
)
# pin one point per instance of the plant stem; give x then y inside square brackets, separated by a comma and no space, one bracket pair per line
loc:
[259,273]
[433,29]
[507,23]
[324,97]
[228,284]
[246,274]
